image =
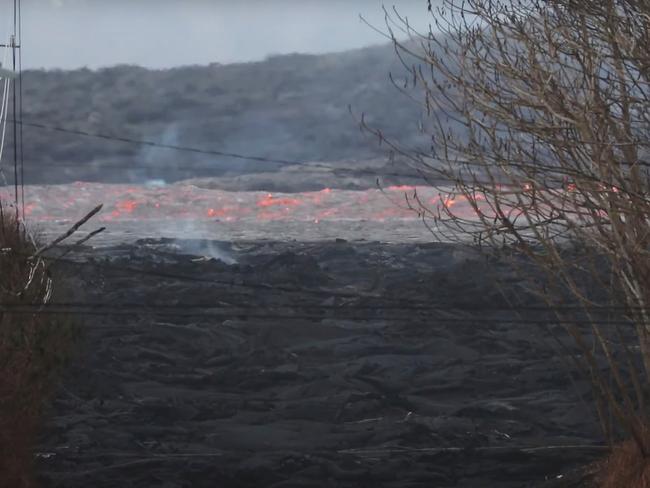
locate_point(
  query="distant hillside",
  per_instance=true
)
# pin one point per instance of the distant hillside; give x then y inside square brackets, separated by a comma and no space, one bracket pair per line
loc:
[289,107]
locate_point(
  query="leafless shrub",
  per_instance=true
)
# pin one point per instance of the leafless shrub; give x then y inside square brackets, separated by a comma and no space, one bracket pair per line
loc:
[539,116]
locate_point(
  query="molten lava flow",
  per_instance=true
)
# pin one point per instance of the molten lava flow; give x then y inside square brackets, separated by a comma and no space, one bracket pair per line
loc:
[127,206]
[218,212]
[269,201]
[449,202]
[185,202]
[402,188]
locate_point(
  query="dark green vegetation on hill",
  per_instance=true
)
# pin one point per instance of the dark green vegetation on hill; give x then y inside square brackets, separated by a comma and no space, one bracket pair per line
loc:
[289,107]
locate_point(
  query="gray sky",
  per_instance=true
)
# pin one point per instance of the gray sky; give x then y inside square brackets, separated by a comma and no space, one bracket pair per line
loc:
[164,33]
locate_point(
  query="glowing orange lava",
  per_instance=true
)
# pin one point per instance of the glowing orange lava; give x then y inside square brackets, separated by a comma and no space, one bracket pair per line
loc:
[269,200]
[126,206]
[187,202]
[220,212]
[450,201]
[401,188]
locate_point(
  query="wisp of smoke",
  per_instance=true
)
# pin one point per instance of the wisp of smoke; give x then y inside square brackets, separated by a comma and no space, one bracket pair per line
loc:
[211,249]
[194,241]
[154,165]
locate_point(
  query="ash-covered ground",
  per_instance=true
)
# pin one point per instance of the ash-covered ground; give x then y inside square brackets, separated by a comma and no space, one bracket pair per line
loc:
[331,363]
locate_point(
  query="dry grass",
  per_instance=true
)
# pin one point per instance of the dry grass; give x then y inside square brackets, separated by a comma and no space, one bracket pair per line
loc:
[33,346]
[625,467]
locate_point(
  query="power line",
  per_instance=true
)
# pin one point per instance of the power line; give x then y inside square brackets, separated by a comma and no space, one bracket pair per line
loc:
[271,314]
[14,113]
[197,279]
[210,152]
[211,281]
[138,306]
[402,304]
[322,293]
[394,304]
[20,107]
[142,142]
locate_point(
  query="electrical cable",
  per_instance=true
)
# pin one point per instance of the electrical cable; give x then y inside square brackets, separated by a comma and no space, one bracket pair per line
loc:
[210,152]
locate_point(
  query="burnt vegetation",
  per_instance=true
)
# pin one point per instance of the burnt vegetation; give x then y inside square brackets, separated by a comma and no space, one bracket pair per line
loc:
[33,347]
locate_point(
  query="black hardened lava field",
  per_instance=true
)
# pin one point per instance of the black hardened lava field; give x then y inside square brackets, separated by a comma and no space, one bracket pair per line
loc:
[312,244]
[278,366]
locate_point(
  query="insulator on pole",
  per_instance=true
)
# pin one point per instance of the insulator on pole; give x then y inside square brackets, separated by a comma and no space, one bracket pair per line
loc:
[7,73]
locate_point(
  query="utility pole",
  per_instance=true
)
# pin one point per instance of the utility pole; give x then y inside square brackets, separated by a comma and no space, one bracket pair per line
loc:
[14,46]
[15,117]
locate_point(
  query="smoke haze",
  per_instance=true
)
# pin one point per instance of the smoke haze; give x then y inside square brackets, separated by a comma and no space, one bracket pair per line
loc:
[70,34]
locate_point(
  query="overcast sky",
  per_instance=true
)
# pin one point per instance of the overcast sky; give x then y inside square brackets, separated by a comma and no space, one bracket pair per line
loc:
[165,33]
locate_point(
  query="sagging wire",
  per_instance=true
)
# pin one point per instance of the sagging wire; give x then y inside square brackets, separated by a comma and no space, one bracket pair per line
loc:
[37,274]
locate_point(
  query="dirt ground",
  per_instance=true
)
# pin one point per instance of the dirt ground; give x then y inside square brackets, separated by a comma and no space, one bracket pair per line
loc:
[311,364]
